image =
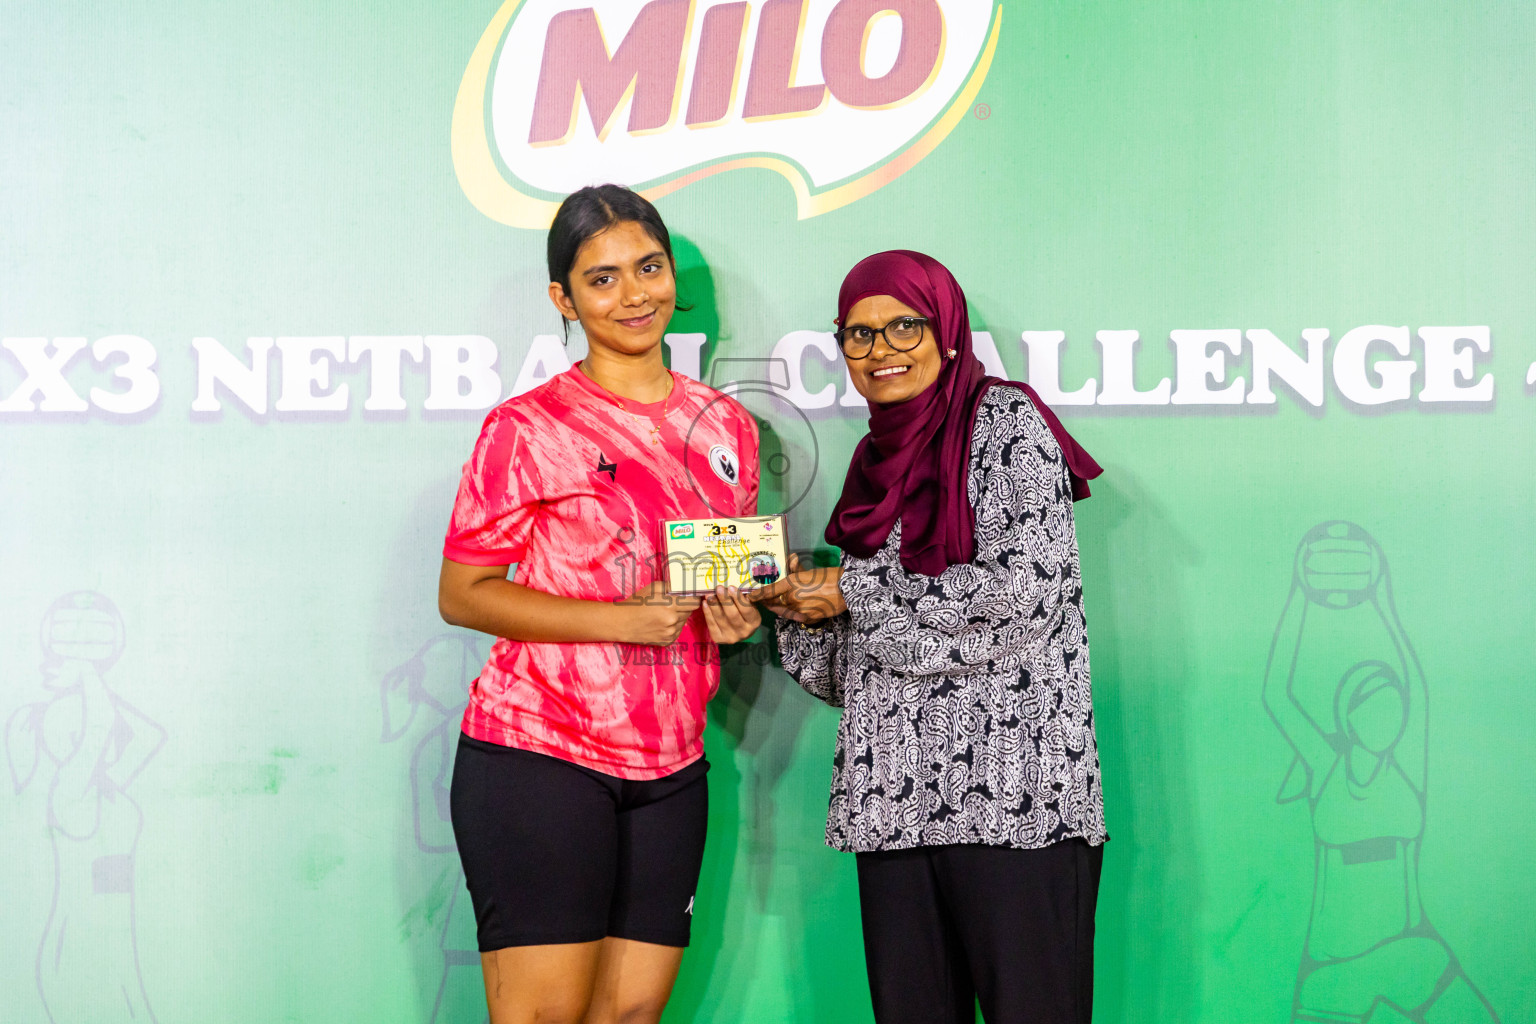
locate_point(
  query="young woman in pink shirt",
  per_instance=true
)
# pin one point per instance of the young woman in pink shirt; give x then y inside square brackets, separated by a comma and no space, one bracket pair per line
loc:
[578,799]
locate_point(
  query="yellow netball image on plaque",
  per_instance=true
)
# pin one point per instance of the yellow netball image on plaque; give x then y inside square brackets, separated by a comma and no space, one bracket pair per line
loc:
[743,552]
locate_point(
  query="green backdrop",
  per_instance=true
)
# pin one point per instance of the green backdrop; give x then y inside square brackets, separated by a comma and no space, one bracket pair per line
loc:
[228,697]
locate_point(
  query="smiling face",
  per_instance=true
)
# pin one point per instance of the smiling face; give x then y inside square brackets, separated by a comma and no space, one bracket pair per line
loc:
[623,290]
[886,376]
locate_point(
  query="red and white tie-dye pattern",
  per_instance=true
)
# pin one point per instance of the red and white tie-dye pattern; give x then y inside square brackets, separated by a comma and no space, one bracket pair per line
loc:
[570,486]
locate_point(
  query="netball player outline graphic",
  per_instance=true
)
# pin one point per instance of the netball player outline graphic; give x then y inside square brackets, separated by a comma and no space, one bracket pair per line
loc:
[578,797]
[1346,690]
[85,746]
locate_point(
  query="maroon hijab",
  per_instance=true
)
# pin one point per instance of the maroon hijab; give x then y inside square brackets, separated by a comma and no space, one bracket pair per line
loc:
[913,463]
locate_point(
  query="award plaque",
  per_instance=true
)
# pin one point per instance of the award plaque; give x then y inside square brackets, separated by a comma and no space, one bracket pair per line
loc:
[744,552]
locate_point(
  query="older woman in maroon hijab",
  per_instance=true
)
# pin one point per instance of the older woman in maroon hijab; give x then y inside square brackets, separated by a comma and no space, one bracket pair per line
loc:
[966,775]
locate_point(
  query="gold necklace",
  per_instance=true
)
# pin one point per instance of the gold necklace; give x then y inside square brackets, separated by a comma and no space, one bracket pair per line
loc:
[655,425]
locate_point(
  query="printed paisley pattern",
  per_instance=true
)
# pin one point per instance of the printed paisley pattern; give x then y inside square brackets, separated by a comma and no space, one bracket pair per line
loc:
[967,710]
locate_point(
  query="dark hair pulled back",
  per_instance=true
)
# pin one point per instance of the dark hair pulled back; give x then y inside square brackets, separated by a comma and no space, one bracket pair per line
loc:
[590,211]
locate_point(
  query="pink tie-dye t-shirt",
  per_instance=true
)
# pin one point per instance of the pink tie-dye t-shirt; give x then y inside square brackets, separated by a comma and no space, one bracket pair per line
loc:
[569,482]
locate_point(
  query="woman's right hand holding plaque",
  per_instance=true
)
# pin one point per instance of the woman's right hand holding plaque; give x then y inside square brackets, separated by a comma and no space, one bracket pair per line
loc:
[807,595]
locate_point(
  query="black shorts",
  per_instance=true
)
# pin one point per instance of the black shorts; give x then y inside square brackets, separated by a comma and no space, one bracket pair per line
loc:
[554,852]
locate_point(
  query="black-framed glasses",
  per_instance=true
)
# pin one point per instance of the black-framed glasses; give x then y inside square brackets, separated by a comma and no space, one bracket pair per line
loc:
[903,334]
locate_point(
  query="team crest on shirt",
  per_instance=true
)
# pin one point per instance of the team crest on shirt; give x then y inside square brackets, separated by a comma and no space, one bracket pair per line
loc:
[724,462]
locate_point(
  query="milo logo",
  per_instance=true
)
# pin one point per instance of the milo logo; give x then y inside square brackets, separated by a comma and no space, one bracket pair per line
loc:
[838,96]
[680,531]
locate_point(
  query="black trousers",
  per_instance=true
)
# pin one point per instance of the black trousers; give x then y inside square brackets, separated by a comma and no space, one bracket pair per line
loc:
[946,925]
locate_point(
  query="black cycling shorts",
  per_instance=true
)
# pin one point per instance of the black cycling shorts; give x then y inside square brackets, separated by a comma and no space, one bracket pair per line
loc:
[555,852]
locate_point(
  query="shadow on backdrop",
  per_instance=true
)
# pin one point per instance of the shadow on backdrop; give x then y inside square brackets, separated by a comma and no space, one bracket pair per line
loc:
[86,745]
[1136,564]
[1345,689]
[760,942]
[696,290]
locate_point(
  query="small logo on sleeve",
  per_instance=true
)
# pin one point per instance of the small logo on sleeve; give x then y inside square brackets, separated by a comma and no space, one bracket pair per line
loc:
[723,461]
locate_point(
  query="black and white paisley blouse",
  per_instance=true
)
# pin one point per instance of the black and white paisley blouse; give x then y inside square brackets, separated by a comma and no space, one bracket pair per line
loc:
[967,712]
